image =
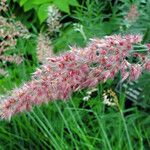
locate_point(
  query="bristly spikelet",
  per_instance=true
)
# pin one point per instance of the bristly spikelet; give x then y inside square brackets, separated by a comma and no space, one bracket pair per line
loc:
[10,30]
[53,20]
[132,14]
[44,49]
[110,98]
[79,68]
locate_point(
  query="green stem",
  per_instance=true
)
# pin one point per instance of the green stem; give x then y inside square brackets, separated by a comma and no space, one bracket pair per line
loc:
[126,129]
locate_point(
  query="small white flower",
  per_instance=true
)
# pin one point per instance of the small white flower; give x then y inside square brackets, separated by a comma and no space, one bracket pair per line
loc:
[86,98]
[108,101]
[91,91]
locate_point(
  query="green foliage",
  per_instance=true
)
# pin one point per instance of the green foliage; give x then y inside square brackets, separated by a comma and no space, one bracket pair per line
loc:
[42,13]
[41,6]
[64,5]
[92,19]
[63,42]
[144,84]
[77,124]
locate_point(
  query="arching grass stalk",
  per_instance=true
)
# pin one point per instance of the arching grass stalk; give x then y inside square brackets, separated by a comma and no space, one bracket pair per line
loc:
[79,68]
[124,122]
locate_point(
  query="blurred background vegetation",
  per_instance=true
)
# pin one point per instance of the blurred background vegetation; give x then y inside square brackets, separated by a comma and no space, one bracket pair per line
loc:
[30,31]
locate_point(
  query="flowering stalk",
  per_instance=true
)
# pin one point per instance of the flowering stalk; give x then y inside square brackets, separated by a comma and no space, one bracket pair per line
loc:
[53,20]
[76,69]
[10,30]
[44,48]
[132,14]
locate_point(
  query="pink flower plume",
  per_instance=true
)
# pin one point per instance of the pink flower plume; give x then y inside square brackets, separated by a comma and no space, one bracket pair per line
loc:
[73,70]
